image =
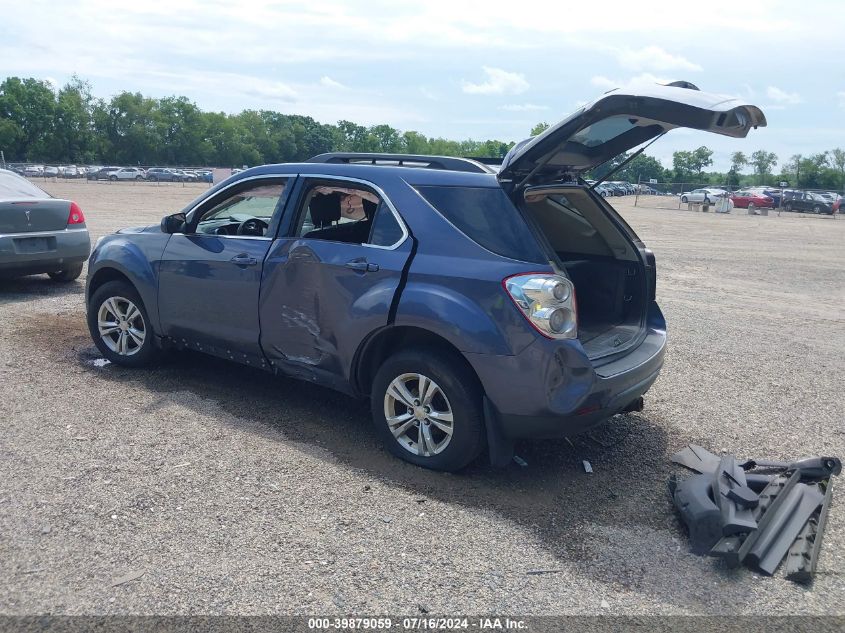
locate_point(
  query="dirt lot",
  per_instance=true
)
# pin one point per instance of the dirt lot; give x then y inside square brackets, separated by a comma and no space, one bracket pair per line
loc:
[236,492]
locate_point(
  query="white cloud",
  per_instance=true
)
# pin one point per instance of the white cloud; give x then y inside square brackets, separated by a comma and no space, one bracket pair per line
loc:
[328,82]
[841,97]
[498,82]
[642,79]
[523,107]
[653,58]
[781,96]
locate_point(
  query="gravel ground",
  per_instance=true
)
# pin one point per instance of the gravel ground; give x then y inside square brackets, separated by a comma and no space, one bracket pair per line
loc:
[214,488]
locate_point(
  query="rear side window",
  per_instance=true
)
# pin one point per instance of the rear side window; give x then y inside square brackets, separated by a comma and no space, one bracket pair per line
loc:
[487,216]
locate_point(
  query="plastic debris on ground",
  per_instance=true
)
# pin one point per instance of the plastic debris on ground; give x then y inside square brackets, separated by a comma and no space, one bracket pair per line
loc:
[758,512]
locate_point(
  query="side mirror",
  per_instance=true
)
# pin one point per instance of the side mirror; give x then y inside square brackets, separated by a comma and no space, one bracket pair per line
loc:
[173,223]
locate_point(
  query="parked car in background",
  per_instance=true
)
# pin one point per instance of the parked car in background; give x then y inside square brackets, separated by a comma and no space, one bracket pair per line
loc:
[746,199]
[50,171]
[445,292]
[162,174]
[807,201]
[31,171]
[774,194]
[103,173]
[707,195]
[187,176]
[127,173]
[837,206]
[39,233]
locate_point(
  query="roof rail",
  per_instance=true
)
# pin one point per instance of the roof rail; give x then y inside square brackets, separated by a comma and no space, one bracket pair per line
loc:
[449,163]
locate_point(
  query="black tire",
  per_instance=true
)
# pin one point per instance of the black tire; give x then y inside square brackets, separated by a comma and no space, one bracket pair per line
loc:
[153,179]
[817,210]
[462,395]
[684,199]
[139,178]
[148,352]
[68,274]
[787,207]
[113,178]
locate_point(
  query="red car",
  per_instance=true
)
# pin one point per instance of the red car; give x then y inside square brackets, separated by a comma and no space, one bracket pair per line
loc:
[751,200]
[837,206]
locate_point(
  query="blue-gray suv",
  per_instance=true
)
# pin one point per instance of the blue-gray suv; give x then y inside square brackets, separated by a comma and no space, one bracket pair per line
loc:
[472,306]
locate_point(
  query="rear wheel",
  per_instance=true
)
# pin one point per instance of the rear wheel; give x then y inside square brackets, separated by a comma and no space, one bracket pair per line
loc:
[684,199]
[787,207]
[427,409]
[751,206]
[68,274]
[139,178]
[113,178]
[817,210]
[120,327]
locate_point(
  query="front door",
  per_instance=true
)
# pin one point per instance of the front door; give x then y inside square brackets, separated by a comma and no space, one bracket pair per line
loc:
[210,275]
[332,281]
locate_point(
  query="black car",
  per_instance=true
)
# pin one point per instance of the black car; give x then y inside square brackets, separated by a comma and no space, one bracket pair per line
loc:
[807,201]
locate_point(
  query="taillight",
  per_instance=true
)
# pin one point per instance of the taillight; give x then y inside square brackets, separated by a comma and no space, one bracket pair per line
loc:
[75,216]
[547,301]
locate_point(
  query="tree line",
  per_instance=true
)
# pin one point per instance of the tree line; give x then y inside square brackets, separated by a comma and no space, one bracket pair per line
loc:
[70,125]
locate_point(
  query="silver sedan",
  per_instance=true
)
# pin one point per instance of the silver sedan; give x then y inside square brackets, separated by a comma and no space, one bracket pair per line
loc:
[39,233]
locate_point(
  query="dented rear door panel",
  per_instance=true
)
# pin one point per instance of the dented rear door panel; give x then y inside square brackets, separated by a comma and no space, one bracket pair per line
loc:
[315,310]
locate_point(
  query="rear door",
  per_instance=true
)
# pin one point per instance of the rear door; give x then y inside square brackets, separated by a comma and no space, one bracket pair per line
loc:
[210,276]
[332,280]
[618,121]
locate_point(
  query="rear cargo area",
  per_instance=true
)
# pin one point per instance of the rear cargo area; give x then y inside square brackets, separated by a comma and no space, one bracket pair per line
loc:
[601,261]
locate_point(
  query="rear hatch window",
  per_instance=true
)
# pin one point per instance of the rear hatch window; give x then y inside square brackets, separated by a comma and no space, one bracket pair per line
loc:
[488,217]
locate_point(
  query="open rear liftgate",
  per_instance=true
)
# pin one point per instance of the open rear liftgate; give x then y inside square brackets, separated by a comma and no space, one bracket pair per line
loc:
[758,512]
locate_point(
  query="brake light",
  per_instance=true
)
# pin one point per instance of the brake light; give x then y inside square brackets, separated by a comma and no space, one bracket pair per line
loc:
[75,216]
[547,301]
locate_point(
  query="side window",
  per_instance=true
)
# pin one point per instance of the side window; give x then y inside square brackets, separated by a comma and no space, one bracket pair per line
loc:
[342,212]
[245,210]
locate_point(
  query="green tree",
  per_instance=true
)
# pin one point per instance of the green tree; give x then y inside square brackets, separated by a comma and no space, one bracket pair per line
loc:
[837,157]
[689,165]
[30,106]
[539,128]
[763,162]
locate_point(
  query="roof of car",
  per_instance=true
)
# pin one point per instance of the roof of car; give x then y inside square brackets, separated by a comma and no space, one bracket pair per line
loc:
[411,175]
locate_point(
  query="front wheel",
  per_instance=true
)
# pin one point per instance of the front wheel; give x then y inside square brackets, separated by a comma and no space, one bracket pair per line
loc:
[787,207]
[113,178]
[751,207]
[817,210]
[684,199]
[427,409]
[120,327]
[66,275]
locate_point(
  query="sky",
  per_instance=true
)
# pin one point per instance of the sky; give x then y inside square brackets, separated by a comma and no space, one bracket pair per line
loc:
[451,68]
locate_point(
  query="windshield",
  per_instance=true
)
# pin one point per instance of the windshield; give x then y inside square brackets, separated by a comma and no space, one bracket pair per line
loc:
[13,186]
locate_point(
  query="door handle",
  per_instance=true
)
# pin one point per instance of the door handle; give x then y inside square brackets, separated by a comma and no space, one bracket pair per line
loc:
[244,260]
[363,265]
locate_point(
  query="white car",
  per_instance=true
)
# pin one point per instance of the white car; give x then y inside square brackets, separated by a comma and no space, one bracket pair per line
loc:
[127,173]
[708,195]
[33,170]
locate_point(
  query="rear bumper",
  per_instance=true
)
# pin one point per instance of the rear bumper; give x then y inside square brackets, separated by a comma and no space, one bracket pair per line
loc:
[54,251]
[552,389]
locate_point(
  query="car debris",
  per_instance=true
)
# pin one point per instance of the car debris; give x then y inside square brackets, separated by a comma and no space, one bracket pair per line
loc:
[588,467]
[777,512]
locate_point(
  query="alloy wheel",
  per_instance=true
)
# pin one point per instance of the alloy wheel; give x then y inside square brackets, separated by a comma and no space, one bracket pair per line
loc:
[418,414]
[121,326]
